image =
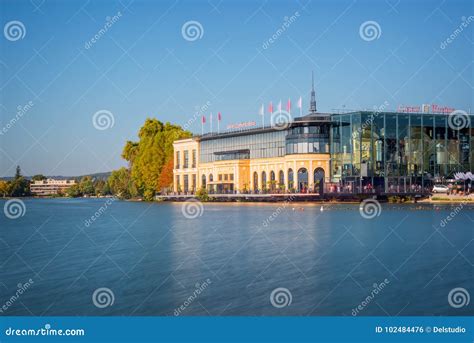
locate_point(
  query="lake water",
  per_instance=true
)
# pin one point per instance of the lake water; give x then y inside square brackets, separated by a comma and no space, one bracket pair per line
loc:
[234,259]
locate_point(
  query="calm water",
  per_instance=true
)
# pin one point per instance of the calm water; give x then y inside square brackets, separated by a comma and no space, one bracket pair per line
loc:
[153,259]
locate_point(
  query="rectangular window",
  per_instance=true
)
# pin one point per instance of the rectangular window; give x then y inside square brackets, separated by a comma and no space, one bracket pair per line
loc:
[194,159]
[231,177]
[186,159]
[226,177]
[220,177]
[186,183]
[177,160]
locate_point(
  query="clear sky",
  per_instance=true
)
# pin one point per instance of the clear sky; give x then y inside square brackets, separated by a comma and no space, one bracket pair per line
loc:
[142,66]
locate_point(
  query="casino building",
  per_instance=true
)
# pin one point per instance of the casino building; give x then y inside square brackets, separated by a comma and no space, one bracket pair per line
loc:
[354,152]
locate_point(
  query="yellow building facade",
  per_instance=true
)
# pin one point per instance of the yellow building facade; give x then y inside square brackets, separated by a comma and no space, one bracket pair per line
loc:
[268,160]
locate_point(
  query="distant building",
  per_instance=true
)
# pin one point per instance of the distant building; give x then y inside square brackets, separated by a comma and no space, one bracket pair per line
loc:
[50,186]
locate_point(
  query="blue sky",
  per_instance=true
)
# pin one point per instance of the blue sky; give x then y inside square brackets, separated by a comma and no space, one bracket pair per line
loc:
[142,66]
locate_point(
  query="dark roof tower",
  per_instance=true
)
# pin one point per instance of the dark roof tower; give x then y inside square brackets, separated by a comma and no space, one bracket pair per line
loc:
[312,104]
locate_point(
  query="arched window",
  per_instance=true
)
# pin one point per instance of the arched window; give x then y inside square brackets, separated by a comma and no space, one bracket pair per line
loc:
[281,178]
[211,178]
[255,181]
[264,180]
[319,180]
[272,180]
[203,181]
[291,181]
[303,180]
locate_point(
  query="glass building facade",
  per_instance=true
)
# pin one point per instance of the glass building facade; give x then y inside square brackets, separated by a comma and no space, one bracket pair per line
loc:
[357,152]
[398,152]
[265,143]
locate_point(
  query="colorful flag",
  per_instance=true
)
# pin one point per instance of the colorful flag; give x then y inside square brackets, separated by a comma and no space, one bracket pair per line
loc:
[300,103]
[262,110]
[203,120]
[279,106]
[288,106]
[219,117]
[270,107]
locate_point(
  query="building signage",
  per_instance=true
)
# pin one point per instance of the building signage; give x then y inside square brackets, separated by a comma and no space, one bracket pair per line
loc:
[425,108]
[242,125]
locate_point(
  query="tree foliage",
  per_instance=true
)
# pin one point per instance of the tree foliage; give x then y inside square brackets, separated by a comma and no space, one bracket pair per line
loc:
[150,159]
[19,186]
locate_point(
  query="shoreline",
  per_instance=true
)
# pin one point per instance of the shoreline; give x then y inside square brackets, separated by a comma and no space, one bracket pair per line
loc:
[441,200]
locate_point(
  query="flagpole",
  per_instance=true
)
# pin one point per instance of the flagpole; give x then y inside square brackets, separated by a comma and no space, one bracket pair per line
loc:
[210,122]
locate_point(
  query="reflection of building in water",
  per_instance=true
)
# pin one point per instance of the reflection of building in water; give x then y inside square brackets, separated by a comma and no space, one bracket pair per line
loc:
[355,151]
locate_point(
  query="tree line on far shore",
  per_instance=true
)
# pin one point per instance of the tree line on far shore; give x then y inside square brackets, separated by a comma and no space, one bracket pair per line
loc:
[149,170]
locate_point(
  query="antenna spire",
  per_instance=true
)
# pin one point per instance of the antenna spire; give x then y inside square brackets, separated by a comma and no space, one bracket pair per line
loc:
[312,105]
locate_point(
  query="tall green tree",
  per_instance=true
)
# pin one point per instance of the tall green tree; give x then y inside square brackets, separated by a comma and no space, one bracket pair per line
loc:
[19,186]
[150,154]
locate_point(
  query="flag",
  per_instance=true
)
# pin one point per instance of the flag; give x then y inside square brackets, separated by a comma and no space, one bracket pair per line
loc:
[219,117]
[279,106]
[270,107]
[203,120]
[262,110]
[300,103]
[288,106]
